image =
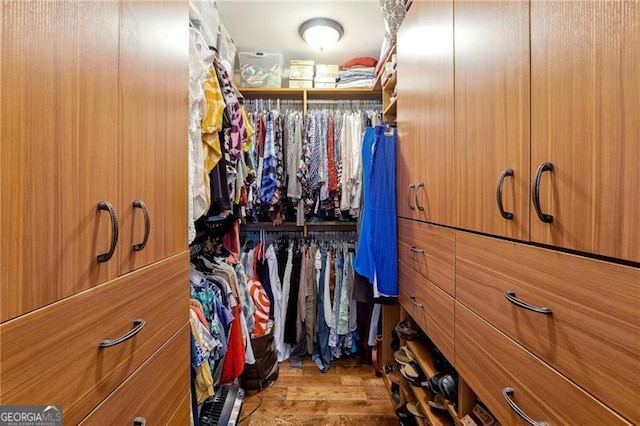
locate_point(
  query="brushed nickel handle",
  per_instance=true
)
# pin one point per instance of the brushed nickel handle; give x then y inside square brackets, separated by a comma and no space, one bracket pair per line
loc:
[420,185]
[510,295]
[535,192]
[416,250]
[412,186]
[139,204]
[105,205]
[137,326]
[504,174]
[506,393]
[414,303]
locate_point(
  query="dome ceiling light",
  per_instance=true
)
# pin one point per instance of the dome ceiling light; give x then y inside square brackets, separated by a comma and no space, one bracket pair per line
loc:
[321,33]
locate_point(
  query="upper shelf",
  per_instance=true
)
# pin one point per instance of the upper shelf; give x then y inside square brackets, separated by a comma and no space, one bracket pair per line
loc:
[286,93]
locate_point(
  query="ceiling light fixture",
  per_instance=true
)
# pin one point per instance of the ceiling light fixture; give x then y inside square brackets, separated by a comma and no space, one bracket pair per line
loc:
[321,33]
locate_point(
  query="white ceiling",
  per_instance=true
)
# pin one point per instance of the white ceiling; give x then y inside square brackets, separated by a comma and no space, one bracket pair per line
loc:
[272,26]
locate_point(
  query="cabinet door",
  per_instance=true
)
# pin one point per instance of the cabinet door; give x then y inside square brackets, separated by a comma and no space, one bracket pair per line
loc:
[409,132]
[492,116]
[153,114]
[58,150]
[585,103]
[436,199]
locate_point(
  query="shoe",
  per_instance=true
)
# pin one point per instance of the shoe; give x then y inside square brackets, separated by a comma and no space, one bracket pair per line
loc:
[407,330]
[414,375]
[405,417]
[415,409]
[404,356]
[438,403]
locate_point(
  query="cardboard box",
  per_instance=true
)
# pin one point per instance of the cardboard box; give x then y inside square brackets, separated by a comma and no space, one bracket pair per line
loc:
[323,70]
[301,62]
[301,72]
[300,84]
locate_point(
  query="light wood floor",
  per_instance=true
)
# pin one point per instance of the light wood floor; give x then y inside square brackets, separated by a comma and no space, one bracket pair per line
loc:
[348,394]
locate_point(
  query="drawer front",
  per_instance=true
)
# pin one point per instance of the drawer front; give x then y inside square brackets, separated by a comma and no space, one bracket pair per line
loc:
[593,333]
[433,306]
[182,416]
[154,392]
[489,361]
[51,356]
[430,250]
[407,289]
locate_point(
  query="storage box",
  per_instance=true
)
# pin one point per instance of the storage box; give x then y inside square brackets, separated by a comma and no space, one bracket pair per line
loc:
[258,69]
[301,62]
[323,70]
[300,84]
[301,72]
[324,79]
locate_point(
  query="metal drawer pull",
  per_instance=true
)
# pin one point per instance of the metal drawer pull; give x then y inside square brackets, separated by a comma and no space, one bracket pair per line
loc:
[510,295]
[137,326]
[504,174]
[420,185]
[414,303]
[507,392]
[416,250]
[105,205]
[535,192]
[412,186]
[139,204]
[139,421]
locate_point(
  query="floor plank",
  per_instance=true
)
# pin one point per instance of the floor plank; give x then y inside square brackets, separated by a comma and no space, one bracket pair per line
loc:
[348,394]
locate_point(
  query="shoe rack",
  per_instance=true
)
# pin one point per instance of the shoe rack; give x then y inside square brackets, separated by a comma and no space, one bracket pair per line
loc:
[423,349]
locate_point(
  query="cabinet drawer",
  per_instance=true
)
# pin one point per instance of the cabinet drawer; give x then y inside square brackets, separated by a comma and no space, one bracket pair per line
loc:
[433,307]
[593,333]
[51,356]
[182,416]
[489,361]
[154,391]
[430,250]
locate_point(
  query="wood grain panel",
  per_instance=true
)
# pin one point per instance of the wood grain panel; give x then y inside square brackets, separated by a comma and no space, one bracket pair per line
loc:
[408,106]
[182,415]
[152,392]
[492,114]
[58,149]
[489,361]
[436,313]
[435,163]
[585,102]
[153,113]
[593,335]
[437,263]
[52,354]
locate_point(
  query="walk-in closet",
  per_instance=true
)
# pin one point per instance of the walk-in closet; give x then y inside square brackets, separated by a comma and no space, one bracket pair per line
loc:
[371,212]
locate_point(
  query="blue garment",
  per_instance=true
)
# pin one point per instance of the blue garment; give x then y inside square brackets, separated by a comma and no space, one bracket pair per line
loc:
[384,243]
[269,183]
[321,351]
[364,264]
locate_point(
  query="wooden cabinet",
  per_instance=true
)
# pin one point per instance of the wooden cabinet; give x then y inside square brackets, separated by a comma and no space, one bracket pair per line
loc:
[153,160]
[425,114]
[591,314]
[154,392]
[64,337]
[58,150]
[492,116]
[94,102]
[93,111]
[492,364]
[585,102]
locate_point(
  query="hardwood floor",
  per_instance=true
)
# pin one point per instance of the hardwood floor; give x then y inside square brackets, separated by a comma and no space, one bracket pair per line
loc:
[348,394]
